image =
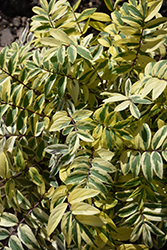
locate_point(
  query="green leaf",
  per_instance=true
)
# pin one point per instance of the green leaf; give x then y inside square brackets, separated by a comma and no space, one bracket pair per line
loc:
[23,201]
[4,233]
[61,54]
[60,123]
[134,110]
[81,114]
[143,137]
[80,194]
[35,176]
[15,243]
[40,215]
[153,10]
[11,115]
[77,176]
[39,103]
[86,14]
[124,162]
[12,63]
[3,57]
[128,210]
[8,220]
[28,98]
[10,188]
[72,53]
[3,109]
[39,10]
[27,237]
[135,158]
[109,4]
[44,5]
[61,36]
[83,52]
[155,22]
[66,227]
[154,229]
[19,160]
[22,118]
[34,123]
[76,230]
[55,217]
[121,69]
[91,220]
[157,163]
[76,5]
[147,166]
[40,18]
[6,89]
[4,166]
[159,137]
[85,136]
[81,208]
[49,84]
[61,84]
[135,12]
[73,88]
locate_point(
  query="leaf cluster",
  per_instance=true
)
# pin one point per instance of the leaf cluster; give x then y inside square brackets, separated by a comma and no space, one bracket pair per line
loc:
[83,133]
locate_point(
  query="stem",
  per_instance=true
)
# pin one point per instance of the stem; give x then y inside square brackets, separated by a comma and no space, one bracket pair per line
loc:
[73,122]
[140,42]
[79,27]
[22,171]
[33,112]
[17,80]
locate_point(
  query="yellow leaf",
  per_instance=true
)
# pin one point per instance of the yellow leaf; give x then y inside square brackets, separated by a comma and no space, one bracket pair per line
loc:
[80,194]
[85,92]
[91,220]
[73,88]
[115,97]
[82,208]
[50,41]
[122,106]
[132,247]
[66,227]
[4,166]
[151,84]
[97,25]
[55,217]
[123,234]
[6,89]
[128,30]
[152,45]
[59,192]
[104,42]
[158,89]
[60,35]
[60,123]
[105,154]
[35,176]
[101,16]
[109,220]
[153,10]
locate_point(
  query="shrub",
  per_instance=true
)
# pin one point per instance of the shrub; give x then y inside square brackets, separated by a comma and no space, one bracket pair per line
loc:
[83,129]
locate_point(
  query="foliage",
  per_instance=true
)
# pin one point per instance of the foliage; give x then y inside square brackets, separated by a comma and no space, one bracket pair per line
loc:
[83,146]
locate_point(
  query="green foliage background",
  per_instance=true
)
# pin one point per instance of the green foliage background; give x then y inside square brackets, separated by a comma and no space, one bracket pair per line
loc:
[83,134]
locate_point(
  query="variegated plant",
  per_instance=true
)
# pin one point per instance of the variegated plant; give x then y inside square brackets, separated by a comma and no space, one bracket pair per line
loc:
[83,132]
